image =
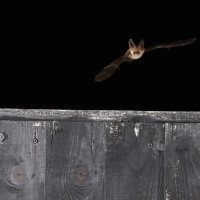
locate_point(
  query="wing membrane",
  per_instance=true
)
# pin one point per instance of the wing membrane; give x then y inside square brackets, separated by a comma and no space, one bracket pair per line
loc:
[172,44]
[114,65]
[111,68]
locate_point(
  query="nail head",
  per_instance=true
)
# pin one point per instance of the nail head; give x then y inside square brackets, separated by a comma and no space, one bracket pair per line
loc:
[35,141]
[150,145]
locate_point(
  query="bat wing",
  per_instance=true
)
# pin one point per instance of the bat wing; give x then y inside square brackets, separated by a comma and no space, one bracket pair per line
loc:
[108,71]
[172,44]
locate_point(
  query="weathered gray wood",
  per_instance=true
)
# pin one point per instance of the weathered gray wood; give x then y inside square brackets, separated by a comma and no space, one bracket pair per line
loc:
[93,155]
[75,161]
[99,115]
[134,161]
[22,163]
[182,161]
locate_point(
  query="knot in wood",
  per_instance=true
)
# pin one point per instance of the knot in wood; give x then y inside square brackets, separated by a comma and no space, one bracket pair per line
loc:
[81,174]
[18,173]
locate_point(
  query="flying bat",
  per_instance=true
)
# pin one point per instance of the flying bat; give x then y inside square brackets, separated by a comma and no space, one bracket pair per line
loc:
[135,52]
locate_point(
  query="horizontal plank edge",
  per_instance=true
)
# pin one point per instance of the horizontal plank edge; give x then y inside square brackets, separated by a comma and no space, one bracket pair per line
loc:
[99,115]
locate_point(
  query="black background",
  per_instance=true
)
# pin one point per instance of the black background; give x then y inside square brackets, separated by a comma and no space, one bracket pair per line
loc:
[51,52]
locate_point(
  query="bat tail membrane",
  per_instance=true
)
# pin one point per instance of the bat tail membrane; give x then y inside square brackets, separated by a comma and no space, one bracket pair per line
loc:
[106,73]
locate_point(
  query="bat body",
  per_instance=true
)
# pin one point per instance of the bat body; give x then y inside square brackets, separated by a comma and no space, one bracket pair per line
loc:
[135,52]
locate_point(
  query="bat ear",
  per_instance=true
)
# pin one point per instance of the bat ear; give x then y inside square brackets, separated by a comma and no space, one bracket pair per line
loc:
[141,45]
[131,43]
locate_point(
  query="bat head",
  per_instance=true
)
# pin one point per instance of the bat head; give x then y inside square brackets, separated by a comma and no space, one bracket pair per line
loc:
[136,51]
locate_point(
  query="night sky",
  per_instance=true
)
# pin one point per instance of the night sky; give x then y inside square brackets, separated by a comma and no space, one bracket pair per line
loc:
[51,52]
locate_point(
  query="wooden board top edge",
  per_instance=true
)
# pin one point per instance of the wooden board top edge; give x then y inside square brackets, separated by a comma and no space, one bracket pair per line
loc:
[100,115]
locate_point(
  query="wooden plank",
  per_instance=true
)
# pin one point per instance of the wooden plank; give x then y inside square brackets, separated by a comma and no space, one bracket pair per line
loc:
[75,161]
[134,161]
[182,161]
[107,160]
[100,115]
[22,167]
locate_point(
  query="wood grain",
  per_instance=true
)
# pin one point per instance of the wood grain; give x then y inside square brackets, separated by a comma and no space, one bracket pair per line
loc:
[103,160]
[22,167]
[75,162]
[99,115]
[182,161]
[134,161]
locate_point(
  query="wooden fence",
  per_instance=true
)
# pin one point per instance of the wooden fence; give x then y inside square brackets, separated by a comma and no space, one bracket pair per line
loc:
[99,155]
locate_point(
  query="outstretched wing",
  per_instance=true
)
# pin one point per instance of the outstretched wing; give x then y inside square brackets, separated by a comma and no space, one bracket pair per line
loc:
[172,44]
[111,68]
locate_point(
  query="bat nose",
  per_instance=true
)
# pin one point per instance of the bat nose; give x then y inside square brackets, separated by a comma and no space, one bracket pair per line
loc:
[136,52]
